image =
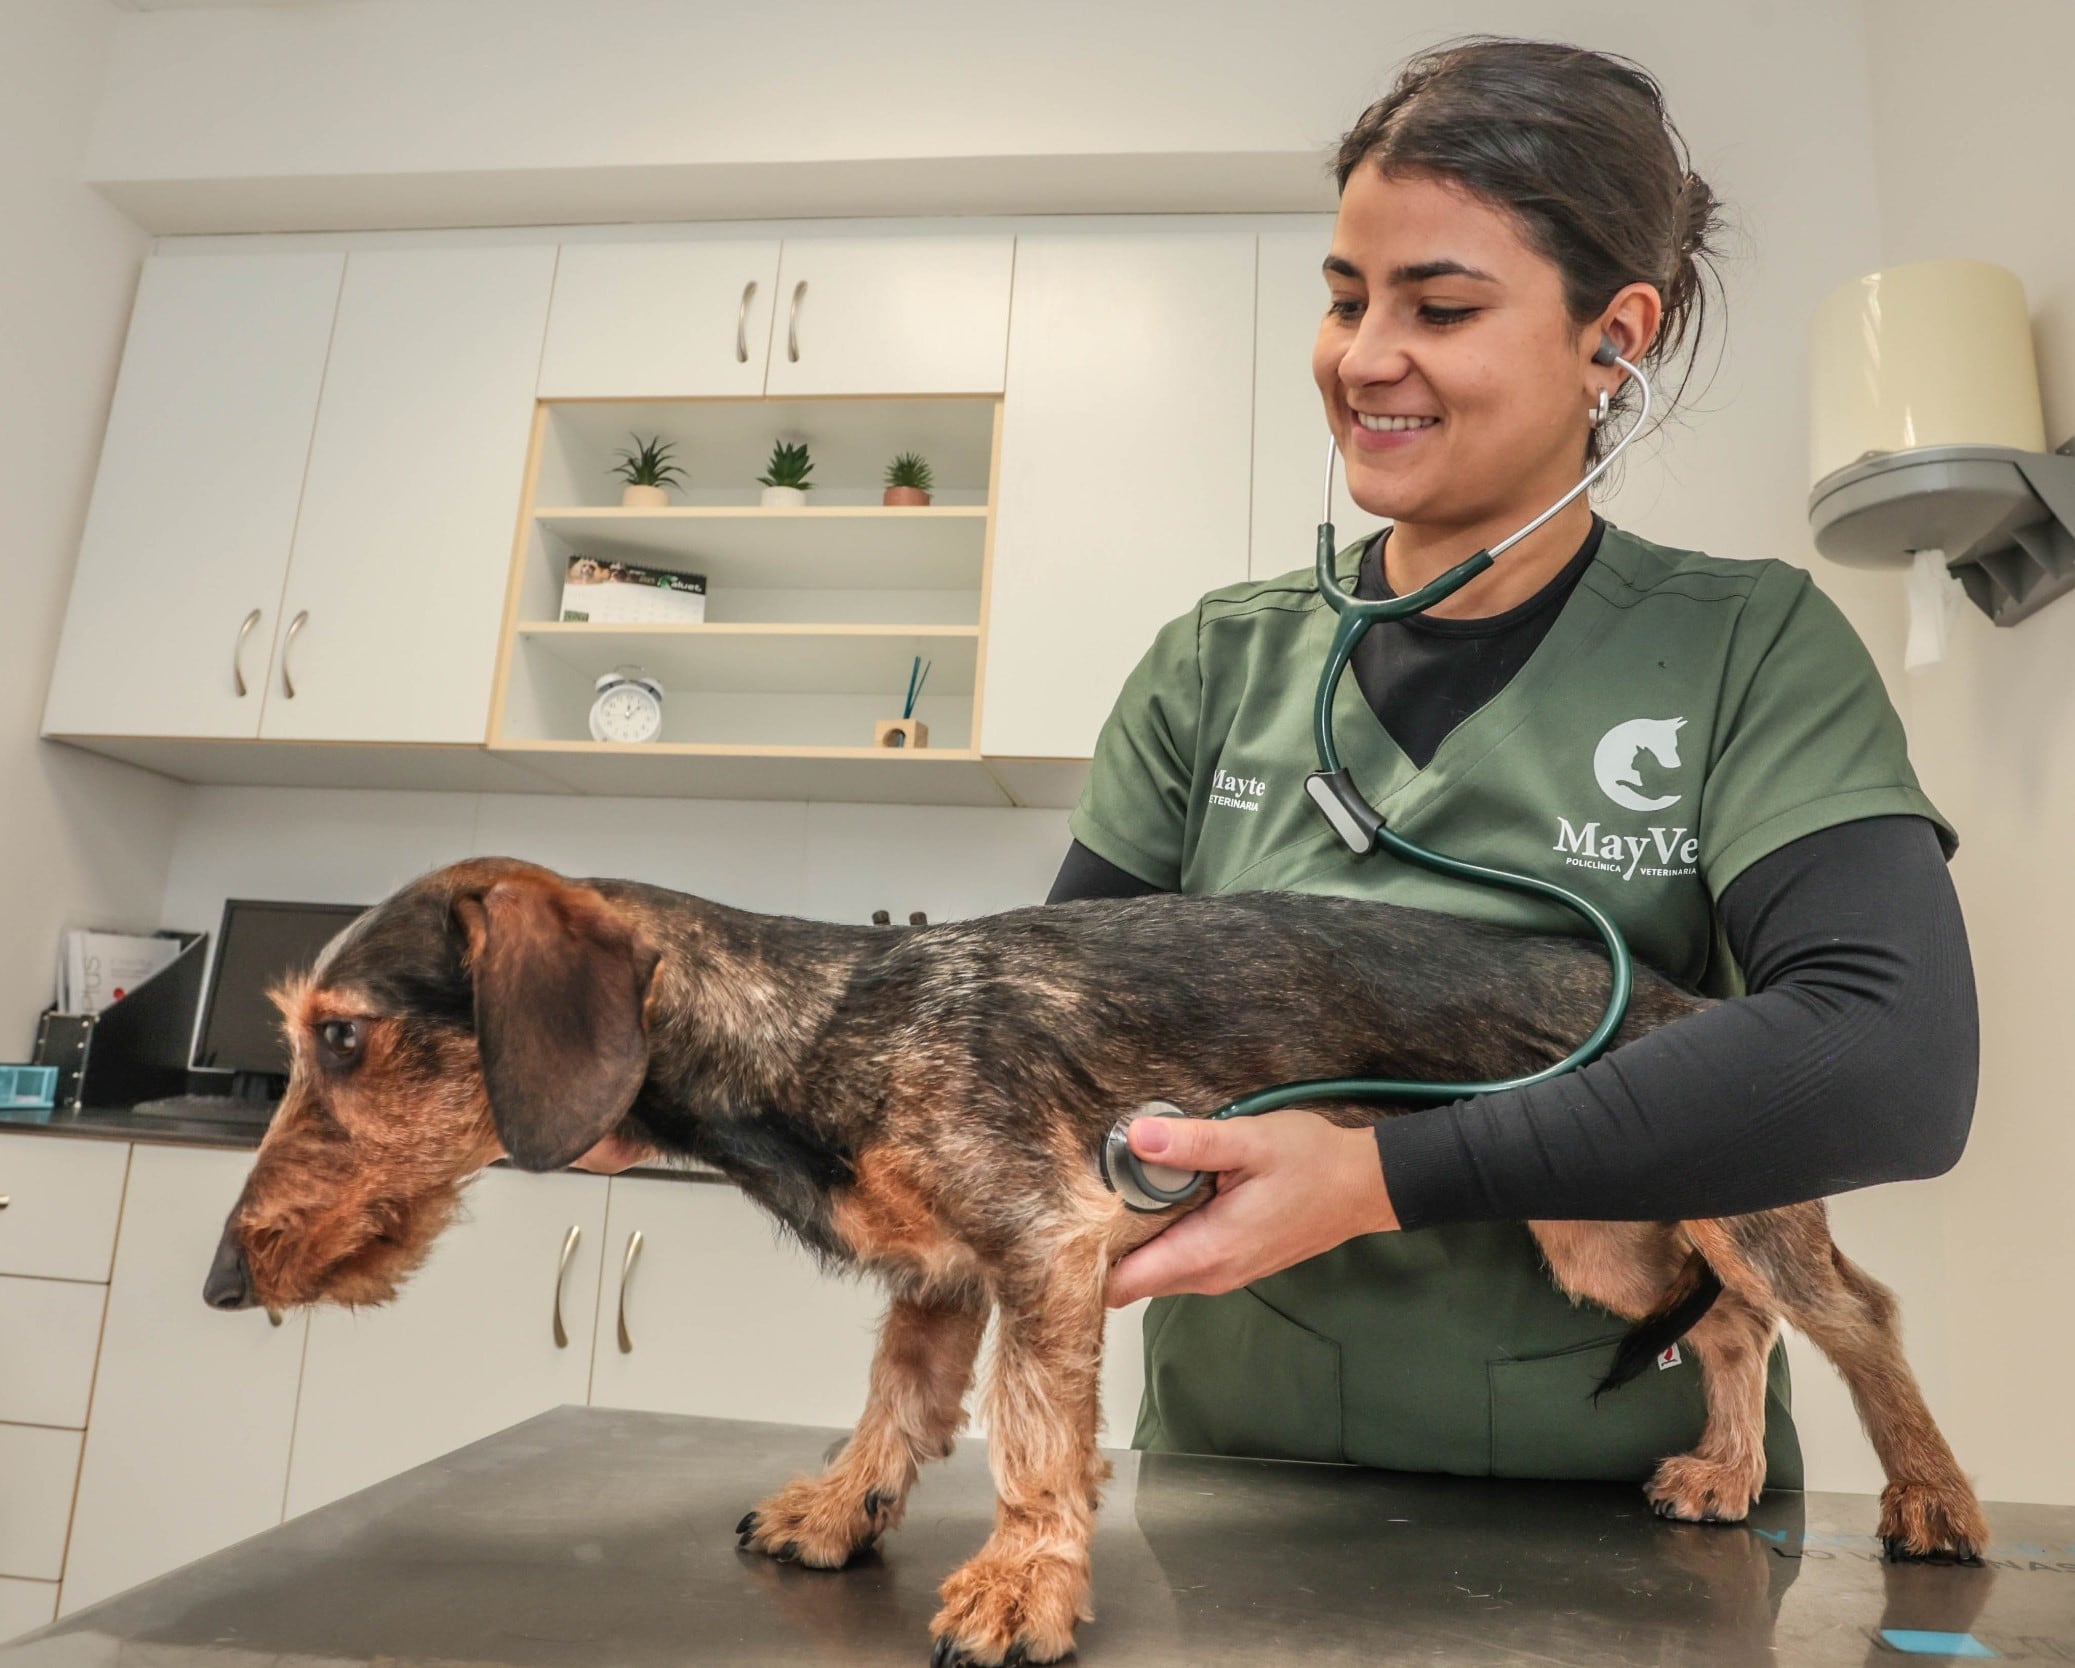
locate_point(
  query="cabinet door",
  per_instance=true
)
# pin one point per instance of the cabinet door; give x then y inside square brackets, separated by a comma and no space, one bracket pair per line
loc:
[59,1201]
[908,315]
[187,1440]
[195,503]
[1126,448]
[1290,432]
[405,539]
[468,1347]
[725,1318]
[659,321]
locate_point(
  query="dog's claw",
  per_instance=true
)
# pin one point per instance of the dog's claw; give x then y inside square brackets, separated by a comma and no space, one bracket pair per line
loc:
[946,1654]
[747,1525]
[876,1501]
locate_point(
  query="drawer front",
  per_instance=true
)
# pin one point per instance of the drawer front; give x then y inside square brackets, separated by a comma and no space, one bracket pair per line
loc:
[25,1606]
[40,1467]
[49,1332]
[63,1195]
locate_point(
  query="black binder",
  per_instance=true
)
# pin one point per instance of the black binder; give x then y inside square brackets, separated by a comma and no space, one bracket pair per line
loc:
[134,1049]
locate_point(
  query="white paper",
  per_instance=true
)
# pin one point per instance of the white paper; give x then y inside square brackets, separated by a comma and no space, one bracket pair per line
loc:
[103,967]
[1933,594]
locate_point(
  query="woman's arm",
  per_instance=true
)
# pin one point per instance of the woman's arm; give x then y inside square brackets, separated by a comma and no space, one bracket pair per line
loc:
[1851,1061]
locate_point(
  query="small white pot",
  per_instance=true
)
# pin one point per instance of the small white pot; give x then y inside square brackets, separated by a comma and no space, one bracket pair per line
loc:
[644,498]
[787,498]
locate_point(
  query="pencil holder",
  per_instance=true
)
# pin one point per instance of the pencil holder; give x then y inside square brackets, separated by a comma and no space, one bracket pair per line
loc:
[900,732]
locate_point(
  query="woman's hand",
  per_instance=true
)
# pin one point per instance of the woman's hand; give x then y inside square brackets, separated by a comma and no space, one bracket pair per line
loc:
[1290,1186]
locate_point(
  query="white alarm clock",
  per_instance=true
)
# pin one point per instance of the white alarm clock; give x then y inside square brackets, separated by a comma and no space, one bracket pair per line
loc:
[628,707]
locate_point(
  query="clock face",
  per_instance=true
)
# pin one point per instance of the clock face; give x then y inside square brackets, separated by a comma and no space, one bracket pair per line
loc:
[626,713]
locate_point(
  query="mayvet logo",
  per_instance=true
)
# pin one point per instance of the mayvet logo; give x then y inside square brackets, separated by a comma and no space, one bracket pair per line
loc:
[1617,767]
[1239,793]
[1614,760]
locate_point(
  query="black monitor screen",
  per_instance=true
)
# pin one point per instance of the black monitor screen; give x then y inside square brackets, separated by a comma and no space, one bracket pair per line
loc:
[258,945]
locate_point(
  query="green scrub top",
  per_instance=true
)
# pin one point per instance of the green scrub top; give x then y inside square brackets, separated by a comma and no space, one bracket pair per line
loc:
[1684,716]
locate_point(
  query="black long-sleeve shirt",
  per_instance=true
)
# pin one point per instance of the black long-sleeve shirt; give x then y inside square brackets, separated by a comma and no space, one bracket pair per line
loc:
[1851,1060]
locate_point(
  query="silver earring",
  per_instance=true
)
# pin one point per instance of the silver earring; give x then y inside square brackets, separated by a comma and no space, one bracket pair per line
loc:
[1600,416]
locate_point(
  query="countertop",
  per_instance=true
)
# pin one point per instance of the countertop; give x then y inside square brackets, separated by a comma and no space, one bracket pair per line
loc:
[120,1124]
[606,1539]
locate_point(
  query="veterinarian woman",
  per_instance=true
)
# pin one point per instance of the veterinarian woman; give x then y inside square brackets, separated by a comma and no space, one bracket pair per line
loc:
[1700,745]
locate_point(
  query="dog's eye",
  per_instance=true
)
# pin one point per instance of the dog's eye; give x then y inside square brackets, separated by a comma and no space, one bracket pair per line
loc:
[340,1037]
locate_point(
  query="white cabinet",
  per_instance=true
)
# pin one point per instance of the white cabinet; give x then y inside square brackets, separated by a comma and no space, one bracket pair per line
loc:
[49,1332]
[470,1346]
[175,598]
[659,321]
[25,1605]
[1126,454]
[1290,430]
[722,1317]
[59,1200]
[40,1466]
[187,1442]
[396,588]
[884,315]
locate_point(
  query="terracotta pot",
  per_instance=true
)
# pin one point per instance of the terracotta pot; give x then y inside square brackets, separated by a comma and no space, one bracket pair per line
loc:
[905,495]
[644,497]
[783,498]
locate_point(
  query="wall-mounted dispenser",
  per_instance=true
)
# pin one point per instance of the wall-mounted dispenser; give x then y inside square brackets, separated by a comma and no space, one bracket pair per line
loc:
[1928,448]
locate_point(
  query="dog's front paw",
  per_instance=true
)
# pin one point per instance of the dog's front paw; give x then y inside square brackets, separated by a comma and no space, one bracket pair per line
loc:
[1925,1520]
[822,1522]
[1001,1610]
[1696,1490]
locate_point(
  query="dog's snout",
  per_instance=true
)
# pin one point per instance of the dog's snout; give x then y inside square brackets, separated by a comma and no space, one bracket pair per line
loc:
[229,1285]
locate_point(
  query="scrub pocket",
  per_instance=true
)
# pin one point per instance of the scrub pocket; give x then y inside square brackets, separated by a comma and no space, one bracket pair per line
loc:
[1544,1422]
[1235,1375]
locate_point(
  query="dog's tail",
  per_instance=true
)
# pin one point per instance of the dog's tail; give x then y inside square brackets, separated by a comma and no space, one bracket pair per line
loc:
[1689,1296]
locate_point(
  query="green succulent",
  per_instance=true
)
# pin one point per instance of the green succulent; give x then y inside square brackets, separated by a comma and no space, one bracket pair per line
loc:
[909,470]
[790,467]
[649,466]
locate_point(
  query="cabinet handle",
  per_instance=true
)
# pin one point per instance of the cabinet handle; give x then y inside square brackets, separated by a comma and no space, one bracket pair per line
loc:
[561,1274]
[627,1274]
[742,324]
[5,1200]
[238,653]
[275,1317]
[295,625]
[792,328]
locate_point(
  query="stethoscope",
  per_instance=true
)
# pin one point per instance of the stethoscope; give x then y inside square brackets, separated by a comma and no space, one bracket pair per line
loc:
[1144,1186]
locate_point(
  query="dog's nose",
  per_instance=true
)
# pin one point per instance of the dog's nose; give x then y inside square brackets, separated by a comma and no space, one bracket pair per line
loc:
[229,1285]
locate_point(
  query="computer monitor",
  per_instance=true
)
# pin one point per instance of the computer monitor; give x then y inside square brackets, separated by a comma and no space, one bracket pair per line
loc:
[259,943]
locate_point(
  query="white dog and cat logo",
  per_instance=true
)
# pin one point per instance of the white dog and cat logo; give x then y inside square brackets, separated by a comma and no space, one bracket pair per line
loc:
[1632,765]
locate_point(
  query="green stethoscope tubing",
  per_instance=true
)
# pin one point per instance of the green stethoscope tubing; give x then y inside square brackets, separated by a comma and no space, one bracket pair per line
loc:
[1362,828]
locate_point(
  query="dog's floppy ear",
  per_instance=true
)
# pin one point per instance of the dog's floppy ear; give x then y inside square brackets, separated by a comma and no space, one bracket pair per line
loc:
[561,978]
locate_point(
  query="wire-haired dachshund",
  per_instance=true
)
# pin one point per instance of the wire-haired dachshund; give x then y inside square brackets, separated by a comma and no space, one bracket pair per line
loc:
[927,1102]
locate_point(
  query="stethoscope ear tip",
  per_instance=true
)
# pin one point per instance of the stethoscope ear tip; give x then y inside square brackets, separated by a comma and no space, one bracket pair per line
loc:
[1142,1185]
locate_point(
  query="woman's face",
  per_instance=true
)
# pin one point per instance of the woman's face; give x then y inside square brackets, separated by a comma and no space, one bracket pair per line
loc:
[1441,312]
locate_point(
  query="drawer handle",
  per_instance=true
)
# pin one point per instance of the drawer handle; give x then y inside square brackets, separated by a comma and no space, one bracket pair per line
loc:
[238,652]
[792,328]
[295,625]
[742,324]
[626,1277]
[562,1274]
[5,1200]
[274,1317]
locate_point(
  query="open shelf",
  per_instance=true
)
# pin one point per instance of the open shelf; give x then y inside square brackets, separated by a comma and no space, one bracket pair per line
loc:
[858,547]
[867,660]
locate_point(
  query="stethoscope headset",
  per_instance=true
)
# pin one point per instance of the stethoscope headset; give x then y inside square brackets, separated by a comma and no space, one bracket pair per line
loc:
[1148,1187]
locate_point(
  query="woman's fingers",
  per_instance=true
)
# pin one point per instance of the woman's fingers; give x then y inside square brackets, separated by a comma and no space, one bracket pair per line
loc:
[1194,1143]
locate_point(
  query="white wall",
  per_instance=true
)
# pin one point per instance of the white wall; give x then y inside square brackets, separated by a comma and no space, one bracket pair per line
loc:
[1975,131]
[83,841]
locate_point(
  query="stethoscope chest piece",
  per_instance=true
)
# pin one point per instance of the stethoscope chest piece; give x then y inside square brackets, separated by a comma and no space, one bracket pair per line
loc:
[1144,1186]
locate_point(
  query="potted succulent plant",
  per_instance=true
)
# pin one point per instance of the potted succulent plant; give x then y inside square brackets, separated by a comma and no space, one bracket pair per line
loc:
[908,480]
[648,472]
[785,481]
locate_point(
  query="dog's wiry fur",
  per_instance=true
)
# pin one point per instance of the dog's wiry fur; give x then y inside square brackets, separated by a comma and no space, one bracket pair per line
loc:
[925,1103]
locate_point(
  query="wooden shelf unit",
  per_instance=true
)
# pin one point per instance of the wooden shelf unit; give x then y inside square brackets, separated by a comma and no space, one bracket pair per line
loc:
[813,615]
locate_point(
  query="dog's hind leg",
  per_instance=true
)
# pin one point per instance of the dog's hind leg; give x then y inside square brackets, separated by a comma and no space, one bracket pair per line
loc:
[920,1375]
[1018,1598]
[1628,1267]
[1928,1508]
